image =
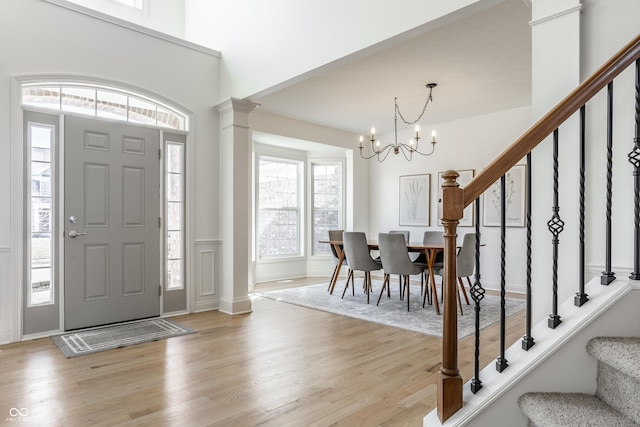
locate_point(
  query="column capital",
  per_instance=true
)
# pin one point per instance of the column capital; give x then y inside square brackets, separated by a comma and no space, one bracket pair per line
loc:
[236,105]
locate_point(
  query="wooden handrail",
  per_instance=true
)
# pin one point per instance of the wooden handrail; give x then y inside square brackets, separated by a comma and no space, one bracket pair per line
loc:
[552,120]
[455,199]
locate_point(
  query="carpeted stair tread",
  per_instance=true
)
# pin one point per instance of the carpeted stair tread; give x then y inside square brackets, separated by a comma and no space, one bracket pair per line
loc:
[570,409]
[621,353]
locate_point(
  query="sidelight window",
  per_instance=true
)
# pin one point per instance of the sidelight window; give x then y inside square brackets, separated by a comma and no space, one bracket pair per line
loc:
[326,202]
[40,246]
[175,215]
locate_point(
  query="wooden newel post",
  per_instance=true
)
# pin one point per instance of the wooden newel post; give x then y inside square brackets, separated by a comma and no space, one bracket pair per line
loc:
[449,379]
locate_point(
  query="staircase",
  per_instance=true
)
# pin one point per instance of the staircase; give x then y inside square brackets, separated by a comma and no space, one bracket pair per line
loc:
[616,401]
[573,323]
[557,363]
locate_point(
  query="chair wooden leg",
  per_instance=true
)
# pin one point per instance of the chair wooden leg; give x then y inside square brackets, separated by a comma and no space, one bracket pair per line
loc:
[427,291]
[332,277]
[464,291]
[434,292]
[408,291]
[459,301]
[367,281]
[388,285]
[400,288]
[385,283]
[353,282]
[349,276]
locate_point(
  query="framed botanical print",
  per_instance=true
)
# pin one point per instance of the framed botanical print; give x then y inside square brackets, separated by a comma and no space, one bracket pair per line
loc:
[515,188]
[415,196]
[468,220]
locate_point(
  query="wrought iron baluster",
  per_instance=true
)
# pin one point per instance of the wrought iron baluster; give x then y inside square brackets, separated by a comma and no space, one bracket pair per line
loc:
[501,363]
[477,294]
[527,340]
[556,225]
[608,276]
[634,158]
[581,297]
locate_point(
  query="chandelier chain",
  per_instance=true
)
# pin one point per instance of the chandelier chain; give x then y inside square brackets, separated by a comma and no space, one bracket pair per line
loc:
[429,98]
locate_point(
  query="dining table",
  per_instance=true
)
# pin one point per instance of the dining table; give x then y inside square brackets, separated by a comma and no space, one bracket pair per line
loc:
[430,250]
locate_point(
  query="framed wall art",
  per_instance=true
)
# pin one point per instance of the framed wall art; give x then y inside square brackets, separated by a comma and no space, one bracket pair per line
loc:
[515,187]
[415,196]
[468,220]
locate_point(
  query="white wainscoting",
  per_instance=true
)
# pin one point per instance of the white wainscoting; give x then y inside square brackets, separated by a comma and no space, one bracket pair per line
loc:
[280,270]
[322,267]
[206,294]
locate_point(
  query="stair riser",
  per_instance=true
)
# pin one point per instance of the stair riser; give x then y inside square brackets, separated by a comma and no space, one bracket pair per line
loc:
[618,390]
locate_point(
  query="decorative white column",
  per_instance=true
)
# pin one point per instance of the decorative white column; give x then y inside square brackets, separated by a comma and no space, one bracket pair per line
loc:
[235,178]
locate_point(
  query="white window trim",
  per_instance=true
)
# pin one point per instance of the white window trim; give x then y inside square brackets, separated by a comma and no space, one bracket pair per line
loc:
[165,249]
[285,155]
[320,161]
[61,84]
[53,216]
[134,27]
[142,9]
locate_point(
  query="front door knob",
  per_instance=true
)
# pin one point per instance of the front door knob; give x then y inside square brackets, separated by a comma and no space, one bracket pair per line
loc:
[74,233]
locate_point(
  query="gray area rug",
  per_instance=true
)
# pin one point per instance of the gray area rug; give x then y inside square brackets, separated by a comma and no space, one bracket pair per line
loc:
[393,312]
[103,338]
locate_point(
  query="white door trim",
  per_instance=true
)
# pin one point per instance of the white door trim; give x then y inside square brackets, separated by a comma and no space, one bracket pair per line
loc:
[11,299]
[12,302]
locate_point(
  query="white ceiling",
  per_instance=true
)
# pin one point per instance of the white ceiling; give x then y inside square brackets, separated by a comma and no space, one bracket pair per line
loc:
[481,63]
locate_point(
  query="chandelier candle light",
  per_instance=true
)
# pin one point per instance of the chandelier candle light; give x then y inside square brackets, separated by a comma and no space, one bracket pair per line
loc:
[408,149]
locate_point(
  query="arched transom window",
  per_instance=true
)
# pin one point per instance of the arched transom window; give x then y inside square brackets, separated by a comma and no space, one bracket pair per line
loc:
[103,102]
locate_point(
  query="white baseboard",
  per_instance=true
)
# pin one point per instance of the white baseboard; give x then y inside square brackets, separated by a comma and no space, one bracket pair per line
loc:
[5,337]
[206,306]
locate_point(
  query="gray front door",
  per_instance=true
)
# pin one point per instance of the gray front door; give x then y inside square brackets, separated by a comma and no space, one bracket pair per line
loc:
[111,222]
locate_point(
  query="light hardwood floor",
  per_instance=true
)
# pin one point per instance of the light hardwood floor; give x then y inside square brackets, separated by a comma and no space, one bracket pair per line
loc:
[281,365]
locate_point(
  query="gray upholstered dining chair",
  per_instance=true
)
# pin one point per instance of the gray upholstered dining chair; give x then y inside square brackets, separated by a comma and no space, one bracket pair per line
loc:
[465,265]
[359,258]
[436,237]
[406,234]
[337,235]
[395,260]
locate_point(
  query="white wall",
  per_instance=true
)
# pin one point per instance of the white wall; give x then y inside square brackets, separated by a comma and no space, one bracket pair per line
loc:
[606,28]
[568,46]
[49,40]
[462,144]
[303,36]
[160,15]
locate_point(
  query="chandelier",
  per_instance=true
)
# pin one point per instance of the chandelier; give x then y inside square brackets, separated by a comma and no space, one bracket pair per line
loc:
[410,147]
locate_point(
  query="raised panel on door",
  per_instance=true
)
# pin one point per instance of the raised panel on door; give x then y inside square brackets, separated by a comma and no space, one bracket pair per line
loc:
[112,181]
[96,272]
[95,209]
